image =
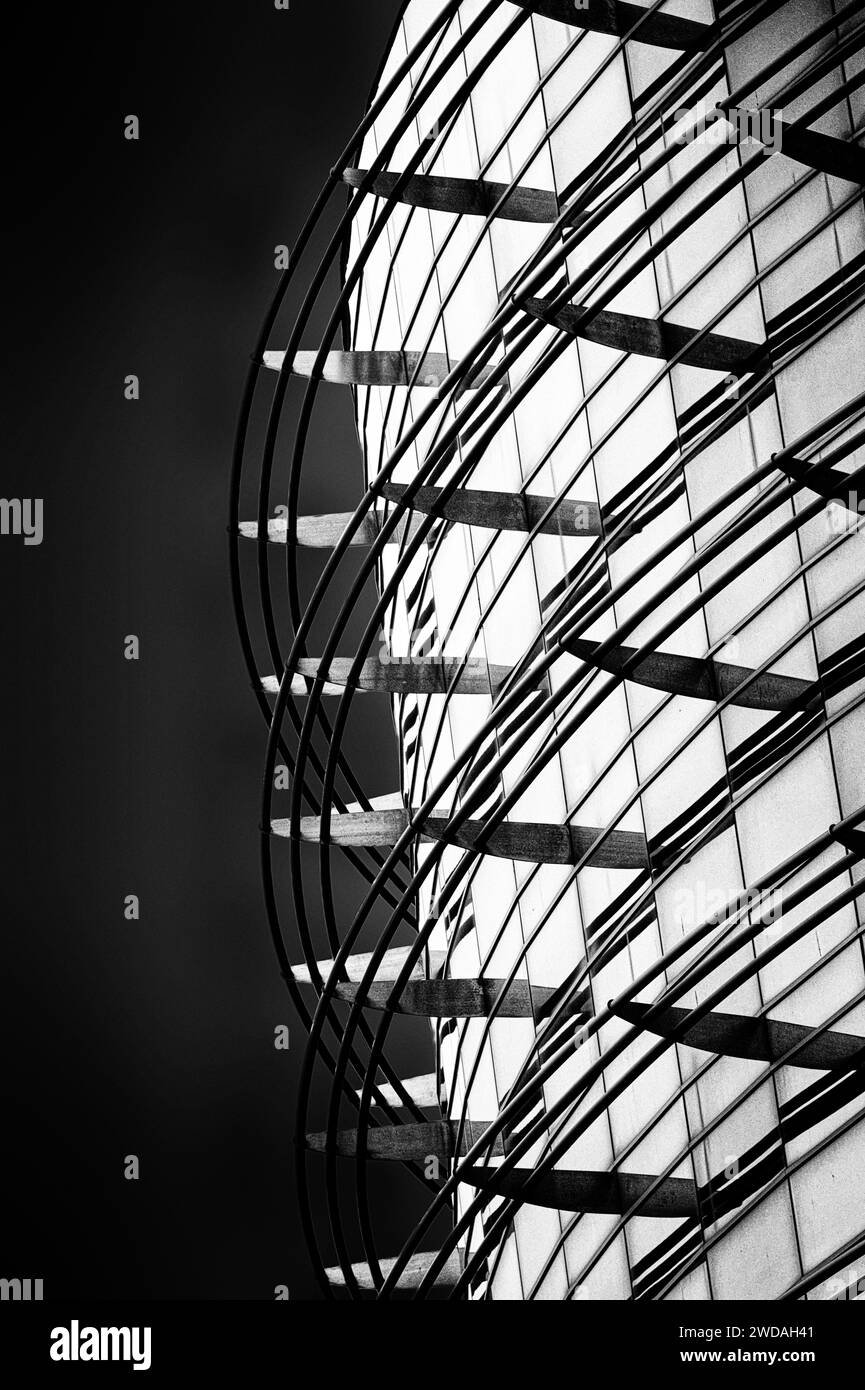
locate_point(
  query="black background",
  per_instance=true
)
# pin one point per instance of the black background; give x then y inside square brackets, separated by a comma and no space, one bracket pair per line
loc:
[154,257]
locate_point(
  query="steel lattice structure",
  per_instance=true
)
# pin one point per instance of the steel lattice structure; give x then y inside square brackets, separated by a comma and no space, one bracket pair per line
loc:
[602,351]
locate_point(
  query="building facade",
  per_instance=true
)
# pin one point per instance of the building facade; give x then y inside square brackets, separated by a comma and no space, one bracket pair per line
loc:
[600,311]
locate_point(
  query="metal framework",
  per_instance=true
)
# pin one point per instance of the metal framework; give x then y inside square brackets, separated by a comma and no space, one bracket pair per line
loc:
[669,1035]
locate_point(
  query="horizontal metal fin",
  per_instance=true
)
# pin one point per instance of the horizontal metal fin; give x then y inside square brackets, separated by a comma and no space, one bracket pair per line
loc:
[388,969]
[465,197]
[411,1277]
[617,19]
[757,1039]
[472,998]
[325,532]
[409,1143]
[504,511]
[607,1193]
[375,368]
[525,841]
[699,677]
[652,337]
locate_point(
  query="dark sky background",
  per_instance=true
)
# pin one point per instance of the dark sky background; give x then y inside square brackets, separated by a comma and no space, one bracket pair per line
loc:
[153,1037]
